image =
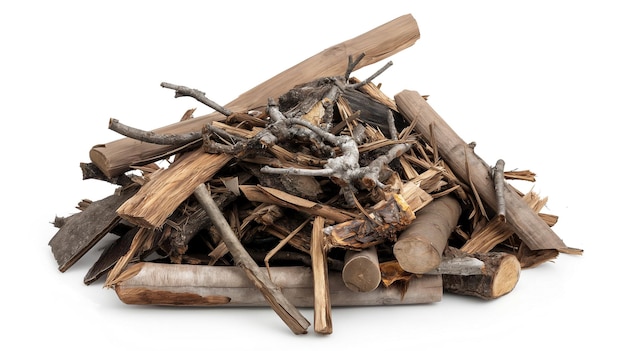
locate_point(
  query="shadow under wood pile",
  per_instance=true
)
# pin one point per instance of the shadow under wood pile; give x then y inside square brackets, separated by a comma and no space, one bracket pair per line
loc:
[329,194]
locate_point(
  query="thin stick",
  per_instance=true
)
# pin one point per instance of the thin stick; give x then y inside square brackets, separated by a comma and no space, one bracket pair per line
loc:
[498,179]
[321,290]
[198,95]
[287,312]
[152,137]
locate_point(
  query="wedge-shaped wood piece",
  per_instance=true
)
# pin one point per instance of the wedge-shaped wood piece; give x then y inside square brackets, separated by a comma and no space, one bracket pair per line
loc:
[81,231]
[168,188]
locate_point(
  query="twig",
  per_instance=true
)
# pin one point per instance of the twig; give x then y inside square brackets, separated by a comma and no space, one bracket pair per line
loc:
[498,178]
[272,293]
[152,137]
[198,95]
[370,78]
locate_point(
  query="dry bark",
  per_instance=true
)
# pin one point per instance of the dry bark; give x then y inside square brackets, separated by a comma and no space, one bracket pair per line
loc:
[81,231]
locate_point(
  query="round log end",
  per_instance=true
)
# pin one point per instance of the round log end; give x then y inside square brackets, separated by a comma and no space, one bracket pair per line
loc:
[416,256]
[507,276]
[361,274]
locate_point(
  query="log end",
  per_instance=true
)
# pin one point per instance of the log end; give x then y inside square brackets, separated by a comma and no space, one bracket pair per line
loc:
[507,276]
[361,274]
[416,256]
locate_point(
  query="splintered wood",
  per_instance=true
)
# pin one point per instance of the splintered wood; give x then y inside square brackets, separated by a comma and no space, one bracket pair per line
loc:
[313,189]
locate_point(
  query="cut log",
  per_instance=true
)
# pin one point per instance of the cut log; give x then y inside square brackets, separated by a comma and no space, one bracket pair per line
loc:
[116,157]
[500,275]
[361,270]
[199,285]
[471,169]
[421,245]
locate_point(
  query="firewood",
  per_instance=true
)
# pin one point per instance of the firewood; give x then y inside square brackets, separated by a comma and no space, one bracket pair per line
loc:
[420,246]
[498,278]
[361,270]
[283,307]
[116,157]
[148,283]
[473,170]
[322,322]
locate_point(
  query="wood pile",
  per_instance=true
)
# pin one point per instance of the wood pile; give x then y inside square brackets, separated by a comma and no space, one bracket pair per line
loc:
[313,189]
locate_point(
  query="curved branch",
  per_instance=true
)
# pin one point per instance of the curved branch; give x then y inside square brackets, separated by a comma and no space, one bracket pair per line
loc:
[198,95]
[152,137]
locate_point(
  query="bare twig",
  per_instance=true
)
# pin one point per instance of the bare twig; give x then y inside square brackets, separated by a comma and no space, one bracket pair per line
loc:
[497,173]
[152,137]
[198,95]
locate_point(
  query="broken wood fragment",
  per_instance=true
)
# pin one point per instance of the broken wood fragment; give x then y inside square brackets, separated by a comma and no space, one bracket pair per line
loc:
[322,322]
[81,231]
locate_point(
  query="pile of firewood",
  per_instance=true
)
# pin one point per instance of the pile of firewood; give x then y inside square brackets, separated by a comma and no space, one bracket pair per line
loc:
[313,189]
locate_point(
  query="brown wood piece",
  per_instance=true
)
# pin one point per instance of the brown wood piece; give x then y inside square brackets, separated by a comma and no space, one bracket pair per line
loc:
[459,157]
[149,283]
[420,246]
[361,270]
[322,323]
[168,188]
[116,157]
[500,276]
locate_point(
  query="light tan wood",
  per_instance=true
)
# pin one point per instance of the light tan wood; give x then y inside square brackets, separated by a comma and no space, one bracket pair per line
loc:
[361,270]
[471,169]
[166,189]
[227,286]
[115,157]
[421,245]
[322,322]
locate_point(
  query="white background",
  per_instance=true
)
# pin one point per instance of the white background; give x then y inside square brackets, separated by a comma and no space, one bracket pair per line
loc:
[539,84]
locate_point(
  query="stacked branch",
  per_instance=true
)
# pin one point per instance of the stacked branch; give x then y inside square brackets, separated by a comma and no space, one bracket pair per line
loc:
[319,192]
